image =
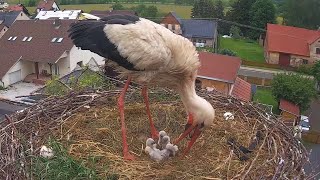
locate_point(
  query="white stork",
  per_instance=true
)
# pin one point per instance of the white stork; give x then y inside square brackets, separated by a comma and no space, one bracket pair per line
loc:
[151,55]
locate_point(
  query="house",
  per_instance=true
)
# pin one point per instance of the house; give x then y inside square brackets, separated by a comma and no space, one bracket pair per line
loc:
[35,50]
[291,46]
[219,72]
[18,7]
[102,14]
[7,18]
[290,112]
[47,5]
[200,32]
[64,14]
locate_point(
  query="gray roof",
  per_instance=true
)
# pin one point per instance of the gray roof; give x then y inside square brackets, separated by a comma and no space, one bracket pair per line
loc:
[8,18]
[193,28]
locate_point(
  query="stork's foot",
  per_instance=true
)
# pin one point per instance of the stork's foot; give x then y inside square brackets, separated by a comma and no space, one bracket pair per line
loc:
[128,156]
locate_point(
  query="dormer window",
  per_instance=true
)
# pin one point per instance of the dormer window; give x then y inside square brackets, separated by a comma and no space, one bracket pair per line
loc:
[24,39]
[54,39]
[29,39]
[9,39]
[14,38]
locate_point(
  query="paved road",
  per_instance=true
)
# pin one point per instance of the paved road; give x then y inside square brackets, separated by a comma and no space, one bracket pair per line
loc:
[314,115]
[260,73]
[6,108]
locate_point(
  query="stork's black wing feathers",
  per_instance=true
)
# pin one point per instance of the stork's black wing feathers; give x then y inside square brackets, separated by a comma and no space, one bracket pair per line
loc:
[89,35]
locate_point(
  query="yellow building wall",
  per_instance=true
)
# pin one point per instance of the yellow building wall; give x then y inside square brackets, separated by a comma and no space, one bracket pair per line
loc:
[273,58]
[218,85]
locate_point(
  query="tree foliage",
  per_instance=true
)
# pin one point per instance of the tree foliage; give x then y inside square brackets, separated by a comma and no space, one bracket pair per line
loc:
[304,13]
[316,71]
[240,12]
[235,32]
[218,10]
[202,9]
[261,13]
[227,52]
[294,88]
[146,11]
[118,6]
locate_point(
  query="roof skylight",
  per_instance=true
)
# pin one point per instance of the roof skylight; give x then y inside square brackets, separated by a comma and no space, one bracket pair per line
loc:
[54,39]
[60,40]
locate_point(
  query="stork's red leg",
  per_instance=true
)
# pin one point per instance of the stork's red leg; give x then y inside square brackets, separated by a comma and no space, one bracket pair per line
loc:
[154,132]
[126,154]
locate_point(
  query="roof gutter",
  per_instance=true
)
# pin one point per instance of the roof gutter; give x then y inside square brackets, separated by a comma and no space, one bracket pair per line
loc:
[215,79]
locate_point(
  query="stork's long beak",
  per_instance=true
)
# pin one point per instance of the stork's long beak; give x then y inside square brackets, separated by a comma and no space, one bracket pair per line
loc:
[194,136]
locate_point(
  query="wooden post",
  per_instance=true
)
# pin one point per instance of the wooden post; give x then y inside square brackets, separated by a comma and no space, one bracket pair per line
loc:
[37,69]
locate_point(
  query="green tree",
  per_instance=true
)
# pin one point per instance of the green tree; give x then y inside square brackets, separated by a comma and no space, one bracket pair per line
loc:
[294,88]
[316,71]
[235,32]
[240,13]
[218,10]
[117,6]
[31,3]
[202,9]
[304,13]
[261,13]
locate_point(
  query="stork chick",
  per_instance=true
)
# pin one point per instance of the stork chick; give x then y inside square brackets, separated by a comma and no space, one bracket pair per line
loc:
[153,152]
[169,151]
[160,140]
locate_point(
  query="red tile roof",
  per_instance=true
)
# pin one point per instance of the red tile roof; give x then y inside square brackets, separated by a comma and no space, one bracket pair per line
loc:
[39,49]
[19,7]
[291,40]
[46,5]
[218,67]
[241,90]
[289,107]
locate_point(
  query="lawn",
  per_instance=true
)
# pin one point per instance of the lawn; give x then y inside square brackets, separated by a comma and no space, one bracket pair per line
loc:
[264,95]
[245,49]
[182,11]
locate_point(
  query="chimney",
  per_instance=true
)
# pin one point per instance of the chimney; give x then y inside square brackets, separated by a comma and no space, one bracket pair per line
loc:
[57,22]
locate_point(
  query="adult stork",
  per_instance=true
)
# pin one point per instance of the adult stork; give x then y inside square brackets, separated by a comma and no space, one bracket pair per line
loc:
[151,55]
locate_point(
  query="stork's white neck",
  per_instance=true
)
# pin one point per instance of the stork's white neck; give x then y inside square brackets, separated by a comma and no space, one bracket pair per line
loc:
[201,110]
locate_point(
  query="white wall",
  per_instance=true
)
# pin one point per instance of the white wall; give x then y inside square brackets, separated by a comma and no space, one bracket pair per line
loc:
[77,55]
[26,68]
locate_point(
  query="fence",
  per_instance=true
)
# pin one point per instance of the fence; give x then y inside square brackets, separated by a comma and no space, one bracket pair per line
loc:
[266,65]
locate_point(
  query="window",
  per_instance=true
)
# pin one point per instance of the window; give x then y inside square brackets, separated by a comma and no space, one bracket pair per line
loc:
[14,38]
[54,39]
[166,25]
[70,13]
[29,39]
[317,50]
[204,41]
[9,38]
[60,40]
[173,27]
[304,61]
[25,38]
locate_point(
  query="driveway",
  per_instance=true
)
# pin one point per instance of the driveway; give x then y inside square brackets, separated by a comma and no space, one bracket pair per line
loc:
[9,108]
[18,89]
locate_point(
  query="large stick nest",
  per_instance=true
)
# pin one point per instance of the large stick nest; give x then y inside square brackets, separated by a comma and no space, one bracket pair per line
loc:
[87,124]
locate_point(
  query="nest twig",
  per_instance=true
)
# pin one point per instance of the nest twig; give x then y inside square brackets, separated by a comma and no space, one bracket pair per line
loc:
[94,130]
